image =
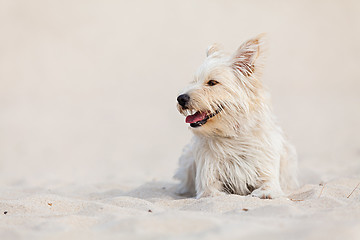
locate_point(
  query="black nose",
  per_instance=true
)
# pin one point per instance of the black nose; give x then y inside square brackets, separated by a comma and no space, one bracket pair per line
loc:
[183,99]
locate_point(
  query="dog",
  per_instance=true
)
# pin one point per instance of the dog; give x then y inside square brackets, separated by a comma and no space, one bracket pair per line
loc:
[237,147]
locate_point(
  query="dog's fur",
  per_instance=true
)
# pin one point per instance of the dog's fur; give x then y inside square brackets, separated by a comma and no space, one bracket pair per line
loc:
[240,149]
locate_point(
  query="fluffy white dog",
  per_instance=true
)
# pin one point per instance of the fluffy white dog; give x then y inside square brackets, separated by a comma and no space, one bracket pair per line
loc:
[237,145]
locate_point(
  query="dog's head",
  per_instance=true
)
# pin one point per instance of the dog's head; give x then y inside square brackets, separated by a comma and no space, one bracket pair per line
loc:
[225,92]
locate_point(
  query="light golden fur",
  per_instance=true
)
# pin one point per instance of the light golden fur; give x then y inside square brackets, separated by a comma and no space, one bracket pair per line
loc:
[240,150]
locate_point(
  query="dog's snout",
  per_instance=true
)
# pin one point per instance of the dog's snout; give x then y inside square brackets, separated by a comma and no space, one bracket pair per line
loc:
[183,99]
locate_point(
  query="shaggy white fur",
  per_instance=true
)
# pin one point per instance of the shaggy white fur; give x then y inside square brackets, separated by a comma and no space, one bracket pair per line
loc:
[237,145]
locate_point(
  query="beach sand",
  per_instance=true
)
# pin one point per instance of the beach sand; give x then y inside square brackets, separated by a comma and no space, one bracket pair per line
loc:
[90,136]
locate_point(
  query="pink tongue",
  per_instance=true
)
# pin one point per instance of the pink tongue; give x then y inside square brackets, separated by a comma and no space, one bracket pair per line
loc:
[198,116]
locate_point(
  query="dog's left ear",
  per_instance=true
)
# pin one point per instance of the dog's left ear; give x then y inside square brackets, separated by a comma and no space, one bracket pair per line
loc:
[213,49]
[245,59]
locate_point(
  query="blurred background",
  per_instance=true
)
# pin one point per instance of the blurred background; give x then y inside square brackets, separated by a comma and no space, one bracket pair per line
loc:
[88,88]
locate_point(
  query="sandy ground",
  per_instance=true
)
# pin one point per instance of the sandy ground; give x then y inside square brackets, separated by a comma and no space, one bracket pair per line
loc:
[90,137]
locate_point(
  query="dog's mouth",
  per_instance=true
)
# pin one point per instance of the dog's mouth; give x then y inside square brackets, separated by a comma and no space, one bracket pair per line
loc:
[200,118]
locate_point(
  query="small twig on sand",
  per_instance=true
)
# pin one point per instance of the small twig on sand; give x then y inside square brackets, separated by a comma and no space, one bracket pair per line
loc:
[322,190]
[296,200]
[353,190]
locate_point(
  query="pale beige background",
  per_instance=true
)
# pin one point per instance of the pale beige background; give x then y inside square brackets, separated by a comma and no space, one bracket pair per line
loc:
[88,88]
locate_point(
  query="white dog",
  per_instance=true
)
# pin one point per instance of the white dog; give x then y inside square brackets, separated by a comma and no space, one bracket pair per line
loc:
[237,145]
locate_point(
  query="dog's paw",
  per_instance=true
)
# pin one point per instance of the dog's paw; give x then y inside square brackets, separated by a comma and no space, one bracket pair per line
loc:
[267,193]
[210,194]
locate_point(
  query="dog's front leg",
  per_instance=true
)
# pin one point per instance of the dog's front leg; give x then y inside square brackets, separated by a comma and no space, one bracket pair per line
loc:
[207,181]
[269,189]
[186,172]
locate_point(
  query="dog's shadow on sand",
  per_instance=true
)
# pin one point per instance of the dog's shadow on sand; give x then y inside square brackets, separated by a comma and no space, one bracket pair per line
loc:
[146,191]
[155,190]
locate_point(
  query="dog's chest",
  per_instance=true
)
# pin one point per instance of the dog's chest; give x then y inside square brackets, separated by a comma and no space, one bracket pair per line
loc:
[228,162]
[222,150]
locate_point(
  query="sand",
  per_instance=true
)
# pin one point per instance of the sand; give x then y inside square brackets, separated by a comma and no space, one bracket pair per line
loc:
[90,136]
[154,211]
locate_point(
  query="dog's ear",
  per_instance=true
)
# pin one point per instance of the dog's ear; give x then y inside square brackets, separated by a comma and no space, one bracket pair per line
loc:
[245,59]
[213,49]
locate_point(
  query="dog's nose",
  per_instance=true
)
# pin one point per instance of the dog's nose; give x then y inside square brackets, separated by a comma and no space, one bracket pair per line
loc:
[183,99]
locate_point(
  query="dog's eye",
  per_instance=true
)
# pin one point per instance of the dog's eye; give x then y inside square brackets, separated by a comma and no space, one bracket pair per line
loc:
[212,82]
